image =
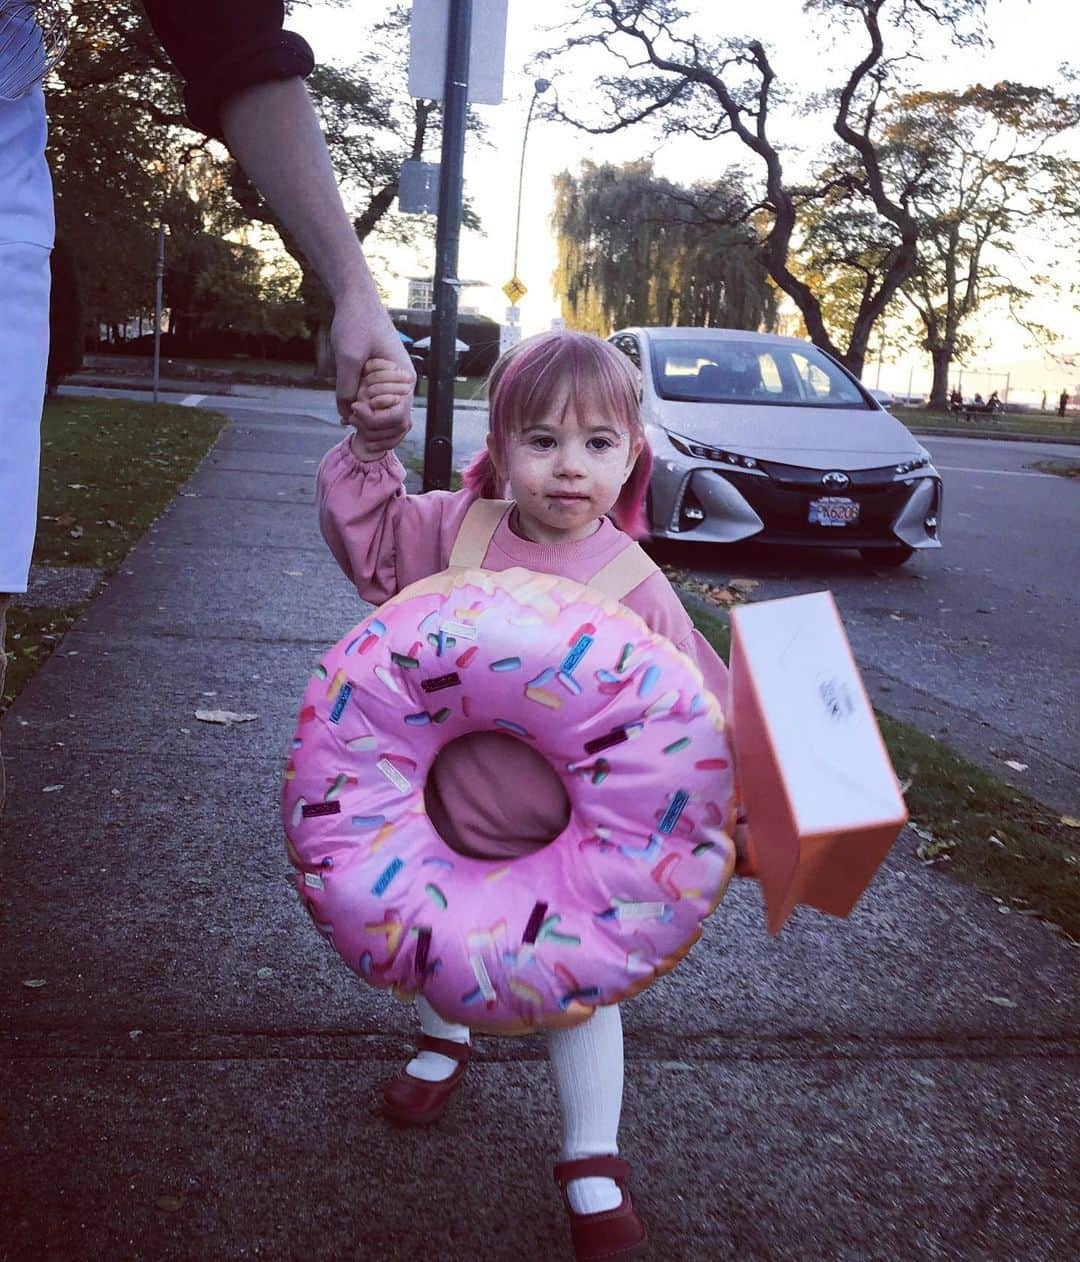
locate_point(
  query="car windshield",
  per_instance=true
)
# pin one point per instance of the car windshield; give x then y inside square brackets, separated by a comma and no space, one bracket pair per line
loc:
[722,371]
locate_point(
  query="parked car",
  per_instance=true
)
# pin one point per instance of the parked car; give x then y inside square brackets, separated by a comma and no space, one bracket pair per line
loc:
[885,397]
[765,438]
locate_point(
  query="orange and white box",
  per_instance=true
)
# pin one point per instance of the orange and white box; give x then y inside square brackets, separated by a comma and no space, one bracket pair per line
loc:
[822,800]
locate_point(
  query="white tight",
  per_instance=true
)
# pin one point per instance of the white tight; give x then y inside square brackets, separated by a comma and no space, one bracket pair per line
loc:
[587,1063]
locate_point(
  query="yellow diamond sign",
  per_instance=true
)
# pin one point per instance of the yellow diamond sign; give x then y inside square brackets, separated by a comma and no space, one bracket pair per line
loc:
[514,289]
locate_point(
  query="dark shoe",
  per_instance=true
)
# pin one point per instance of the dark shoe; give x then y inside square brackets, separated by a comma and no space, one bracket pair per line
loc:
[613,1233]
[419,1103]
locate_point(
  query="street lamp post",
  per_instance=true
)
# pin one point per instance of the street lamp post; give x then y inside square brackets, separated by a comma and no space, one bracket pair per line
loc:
[539,86]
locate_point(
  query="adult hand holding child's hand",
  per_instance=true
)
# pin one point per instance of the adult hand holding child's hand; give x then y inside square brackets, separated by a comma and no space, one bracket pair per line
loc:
[381,412]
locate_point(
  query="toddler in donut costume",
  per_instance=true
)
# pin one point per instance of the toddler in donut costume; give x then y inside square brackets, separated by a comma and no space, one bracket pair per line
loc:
[567,449]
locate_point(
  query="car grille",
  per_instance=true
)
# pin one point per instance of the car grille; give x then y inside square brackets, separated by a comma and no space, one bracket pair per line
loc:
[782,501]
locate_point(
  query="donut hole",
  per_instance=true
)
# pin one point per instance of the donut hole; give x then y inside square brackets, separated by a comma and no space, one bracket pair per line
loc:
[491,796]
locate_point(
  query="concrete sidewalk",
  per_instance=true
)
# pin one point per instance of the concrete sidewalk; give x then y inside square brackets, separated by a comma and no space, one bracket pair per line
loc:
[190,1074]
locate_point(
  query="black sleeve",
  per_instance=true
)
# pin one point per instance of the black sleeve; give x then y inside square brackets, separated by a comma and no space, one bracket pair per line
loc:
[223,46]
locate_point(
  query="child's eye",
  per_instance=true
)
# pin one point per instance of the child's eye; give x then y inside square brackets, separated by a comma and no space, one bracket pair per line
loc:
[600,444]
[544,442]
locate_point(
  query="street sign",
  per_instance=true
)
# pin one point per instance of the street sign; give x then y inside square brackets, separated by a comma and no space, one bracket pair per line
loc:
[509,335]
[513,315]
[418,188]
[428,29]
[515,290]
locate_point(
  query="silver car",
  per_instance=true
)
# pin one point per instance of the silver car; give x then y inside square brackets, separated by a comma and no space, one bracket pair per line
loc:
[767,438]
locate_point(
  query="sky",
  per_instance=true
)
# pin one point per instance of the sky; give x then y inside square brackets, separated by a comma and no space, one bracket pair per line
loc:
[1027,46]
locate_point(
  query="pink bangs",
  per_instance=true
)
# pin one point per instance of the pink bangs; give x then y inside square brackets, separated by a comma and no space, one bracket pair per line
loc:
[563,365]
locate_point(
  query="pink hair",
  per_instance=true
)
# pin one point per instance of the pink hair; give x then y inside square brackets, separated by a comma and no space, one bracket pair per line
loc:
[583,367]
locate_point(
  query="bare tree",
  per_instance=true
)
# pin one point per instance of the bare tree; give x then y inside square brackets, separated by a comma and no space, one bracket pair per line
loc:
[688,83]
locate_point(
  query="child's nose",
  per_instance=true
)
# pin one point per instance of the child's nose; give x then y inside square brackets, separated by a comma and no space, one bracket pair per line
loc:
[571,461]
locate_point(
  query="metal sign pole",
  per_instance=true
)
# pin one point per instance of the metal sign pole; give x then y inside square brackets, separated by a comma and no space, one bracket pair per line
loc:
[158,280]
[440,404]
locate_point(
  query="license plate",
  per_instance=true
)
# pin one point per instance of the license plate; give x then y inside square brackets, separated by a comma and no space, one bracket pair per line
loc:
[833,510]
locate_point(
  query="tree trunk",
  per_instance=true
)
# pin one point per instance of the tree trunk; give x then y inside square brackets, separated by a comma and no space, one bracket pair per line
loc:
[324,355]
[941,357]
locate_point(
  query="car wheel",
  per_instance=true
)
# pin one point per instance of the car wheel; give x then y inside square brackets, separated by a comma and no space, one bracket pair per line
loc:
[887,556]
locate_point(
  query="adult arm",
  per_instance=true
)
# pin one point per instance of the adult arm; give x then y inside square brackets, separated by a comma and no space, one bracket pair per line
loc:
[244,83]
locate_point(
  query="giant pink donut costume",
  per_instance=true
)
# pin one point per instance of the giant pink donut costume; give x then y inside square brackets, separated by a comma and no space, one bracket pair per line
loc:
[613,902]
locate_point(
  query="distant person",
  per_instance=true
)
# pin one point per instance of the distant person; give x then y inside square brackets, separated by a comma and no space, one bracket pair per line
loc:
[1042,406]
[956,401]
[244,84]
[993,404]
[1063,402]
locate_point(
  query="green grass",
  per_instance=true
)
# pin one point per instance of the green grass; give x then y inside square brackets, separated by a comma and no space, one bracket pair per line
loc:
[286,372]
[968,823]
[415,464]
[108,469]
[32,634]
[464,387]
[1061,468]
[1038,424]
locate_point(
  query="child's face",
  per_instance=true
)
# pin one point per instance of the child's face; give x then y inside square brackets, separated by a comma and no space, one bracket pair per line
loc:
[566,470]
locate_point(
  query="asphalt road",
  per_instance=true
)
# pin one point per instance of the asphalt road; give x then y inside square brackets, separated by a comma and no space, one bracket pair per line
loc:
[975,643]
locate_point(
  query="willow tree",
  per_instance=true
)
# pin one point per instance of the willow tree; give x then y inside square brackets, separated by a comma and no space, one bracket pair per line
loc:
[638,249]
[669,72]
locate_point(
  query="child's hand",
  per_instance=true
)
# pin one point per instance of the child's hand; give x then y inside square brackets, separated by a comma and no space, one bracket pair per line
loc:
[745,856]
[381,411]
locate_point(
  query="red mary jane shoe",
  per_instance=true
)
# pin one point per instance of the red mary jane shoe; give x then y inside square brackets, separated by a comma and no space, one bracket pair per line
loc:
[419,1103]
[613,1233]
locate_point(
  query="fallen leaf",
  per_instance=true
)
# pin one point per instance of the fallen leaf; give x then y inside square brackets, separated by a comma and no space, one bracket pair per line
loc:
[743,585]
[76,486]
[924,833]
[76,533]
[224,717]
[265,972]
[33,983]
[1070,821]
[52,788]
[1016,766]
[934,852]
[169,1203]
[134,1034]
[1001,1001]
[995,841]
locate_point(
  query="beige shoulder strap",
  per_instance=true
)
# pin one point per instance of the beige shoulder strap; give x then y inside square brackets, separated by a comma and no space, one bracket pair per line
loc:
[480,523]
[623,573]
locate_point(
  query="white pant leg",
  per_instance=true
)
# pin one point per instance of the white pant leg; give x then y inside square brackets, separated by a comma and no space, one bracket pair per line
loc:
[26,235]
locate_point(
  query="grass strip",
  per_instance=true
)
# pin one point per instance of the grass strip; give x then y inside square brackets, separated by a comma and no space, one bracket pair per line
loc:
[109,468]
[969,823]
[415,464]
[1039,424]
[32,634]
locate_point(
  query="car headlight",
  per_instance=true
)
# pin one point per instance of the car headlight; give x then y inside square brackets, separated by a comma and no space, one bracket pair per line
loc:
[701,452]
[916,462]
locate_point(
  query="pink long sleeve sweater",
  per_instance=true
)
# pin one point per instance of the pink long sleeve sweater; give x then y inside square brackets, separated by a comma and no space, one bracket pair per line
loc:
[488,794]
